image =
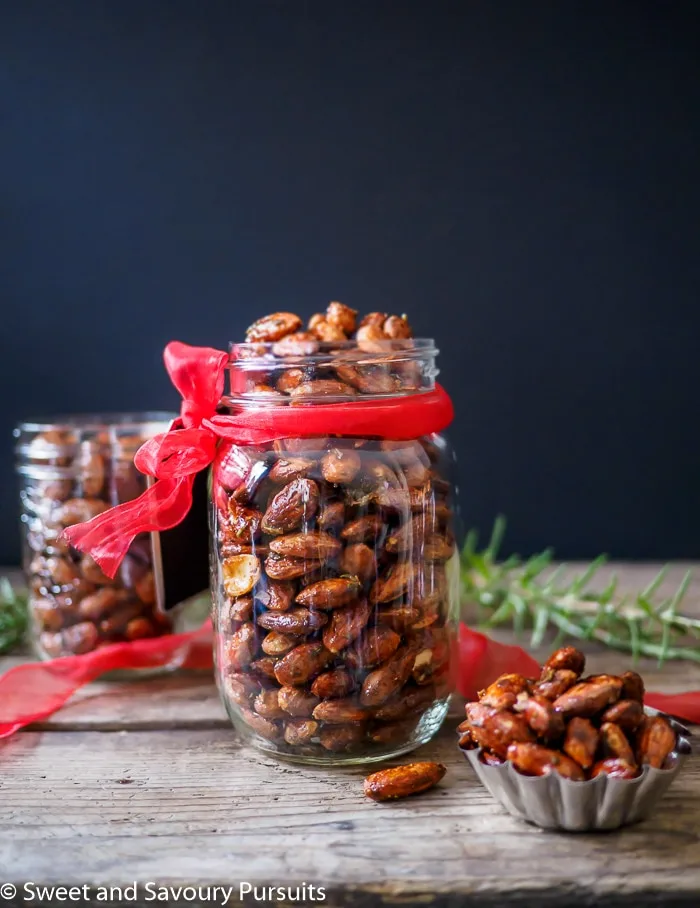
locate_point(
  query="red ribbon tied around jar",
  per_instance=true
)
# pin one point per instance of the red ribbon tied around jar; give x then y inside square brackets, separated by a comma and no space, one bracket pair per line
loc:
[175,457]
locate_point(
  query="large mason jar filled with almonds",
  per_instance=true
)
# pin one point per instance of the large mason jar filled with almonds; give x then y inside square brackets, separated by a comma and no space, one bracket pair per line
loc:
[334,559]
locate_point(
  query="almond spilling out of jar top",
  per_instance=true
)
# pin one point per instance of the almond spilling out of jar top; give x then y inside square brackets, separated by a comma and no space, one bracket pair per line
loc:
[331,552]
[564,722]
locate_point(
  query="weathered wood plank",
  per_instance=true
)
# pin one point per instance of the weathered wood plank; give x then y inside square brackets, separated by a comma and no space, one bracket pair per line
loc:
[199,808]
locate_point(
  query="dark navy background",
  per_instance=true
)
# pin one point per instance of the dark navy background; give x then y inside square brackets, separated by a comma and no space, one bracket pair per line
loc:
[521,178]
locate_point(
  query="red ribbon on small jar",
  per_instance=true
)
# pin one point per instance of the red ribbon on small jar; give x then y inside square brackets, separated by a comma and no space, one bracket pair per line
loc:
[175,457]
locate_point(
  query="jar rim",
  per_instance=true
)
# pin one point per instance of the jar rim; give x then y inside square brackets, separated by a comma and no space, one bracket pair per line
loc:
[251,355]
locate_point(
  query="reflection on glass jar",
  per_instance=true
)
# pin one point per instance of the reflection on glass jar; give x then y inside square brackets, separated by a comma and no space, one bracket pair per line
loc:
[71,470]
[334,568]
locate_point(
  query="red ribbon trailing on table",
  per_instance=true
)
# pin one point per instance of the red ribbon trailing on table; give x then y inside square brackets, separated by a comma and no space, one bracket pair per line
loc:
[35,690]
[175,457]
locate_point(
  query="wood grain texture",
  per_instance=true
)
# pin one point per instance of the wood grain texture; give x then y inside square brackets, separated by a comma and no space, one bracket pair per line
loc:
[194,806]
[146,781]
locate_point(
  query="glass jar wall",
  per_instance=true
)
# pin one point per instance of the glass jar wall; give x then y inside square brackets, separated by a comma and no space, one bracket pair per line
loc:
[334,563]
[71,470]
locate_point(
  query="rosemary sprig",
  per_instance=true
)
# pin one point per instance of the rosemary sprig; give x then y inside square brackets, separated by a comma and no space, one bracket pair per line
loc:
[13,616]
[531,593]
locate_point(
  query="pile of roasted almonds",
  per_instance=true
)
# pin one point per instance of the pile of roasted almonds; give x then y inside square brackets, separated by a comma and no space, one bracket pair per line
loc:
[335,356]
[562,722]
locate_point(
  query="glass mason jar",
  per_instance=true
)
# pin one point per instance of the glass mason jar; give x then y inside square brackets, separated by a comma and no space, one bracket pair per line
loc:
[335,571]
[72,469]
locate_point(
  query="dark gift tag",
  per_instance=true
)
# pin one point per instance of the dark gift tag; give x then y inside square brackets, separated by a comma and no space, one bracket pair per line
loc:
[182,553]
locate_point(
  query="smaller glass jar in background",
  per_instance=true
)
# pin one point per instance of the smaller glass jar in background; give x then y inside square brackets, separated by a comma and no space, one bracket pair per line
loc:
[71,470]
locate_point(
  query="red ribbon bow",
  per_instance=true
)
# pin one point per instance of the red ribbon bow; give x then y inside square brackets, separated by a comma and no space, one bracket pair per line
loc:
[175,457]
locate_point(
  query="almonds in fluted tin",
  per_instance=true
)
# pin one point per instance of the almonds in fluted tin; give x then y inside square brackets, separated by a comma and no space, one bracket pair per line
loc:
[614,743]
[240,574]
[589,697]
[402,781]
[627,714]
[632,687]
[581,741]
[331,593]
[554,687]
[655,741]
[534,760]
[565,657]
[615,769]
[504,691]
[295,503]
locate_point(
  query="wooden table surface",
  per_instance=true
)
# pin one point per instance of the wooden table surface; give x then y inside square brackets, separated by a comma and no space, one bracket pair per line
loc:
[146,782]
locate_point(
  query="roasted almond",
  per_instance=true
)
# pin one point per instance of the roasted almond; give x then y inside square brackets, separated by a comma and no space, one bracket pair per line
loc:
[340,712]
[345,625]
[302,664]
[276,595]
[295,621]
[279,567]
[299,731]
[297,701]
[239,649]
[330,594]
[363,529]
[340,465]
[277,644]
[309,546]
[240,574]
[402,781]
[334,684]
[274,327]
[295,503]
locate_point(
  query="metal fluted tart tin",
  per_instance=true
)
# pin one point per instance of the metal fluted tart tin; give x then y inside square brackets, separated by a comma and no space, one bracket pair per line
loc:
[603,803]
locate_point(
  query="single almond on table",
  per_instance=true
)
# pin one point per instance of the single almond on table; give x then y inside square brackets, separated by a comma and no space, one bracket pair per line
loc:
[402,781]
